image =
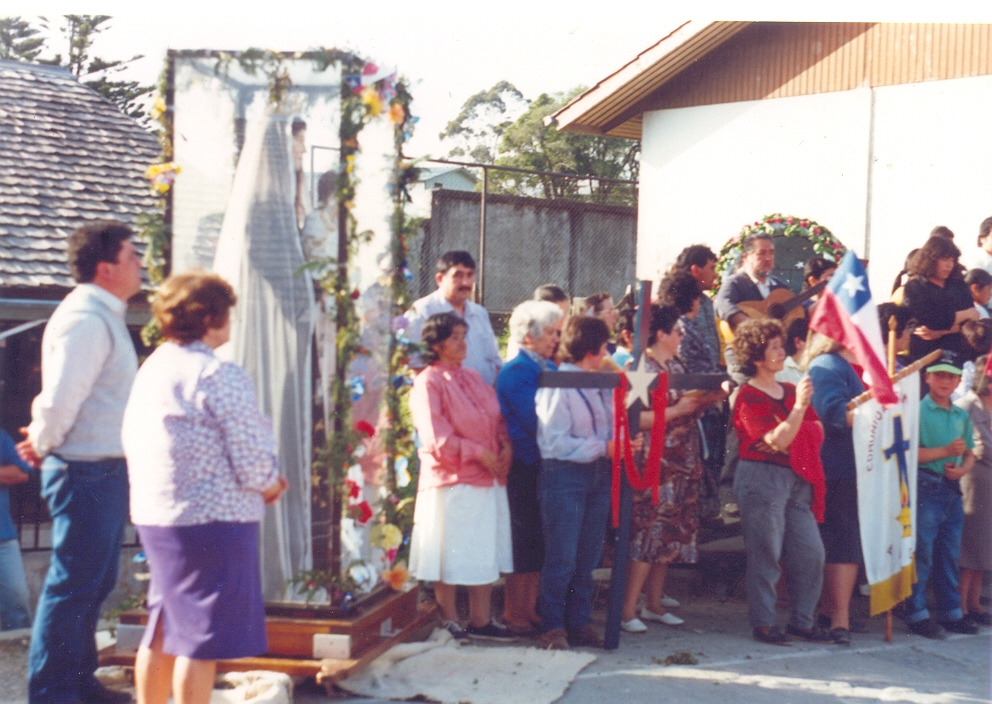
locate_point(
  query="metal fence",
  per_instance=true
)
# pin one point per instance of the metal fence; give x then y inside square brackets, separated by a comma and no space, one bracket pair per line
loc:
[528,228]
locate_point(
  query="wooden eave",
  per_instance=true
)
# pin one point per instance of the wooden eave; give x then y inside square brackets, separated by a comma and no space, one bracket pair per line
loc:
[613,106]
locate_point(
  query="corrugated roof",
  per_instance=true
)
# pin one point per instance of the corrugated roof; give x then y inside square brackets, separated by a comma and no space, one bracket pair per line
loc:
[67,156]
[611,106]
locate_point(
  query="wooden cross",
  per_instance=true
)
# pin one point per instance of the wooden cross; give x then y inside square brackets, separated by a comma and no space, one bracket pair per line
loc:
[610,380]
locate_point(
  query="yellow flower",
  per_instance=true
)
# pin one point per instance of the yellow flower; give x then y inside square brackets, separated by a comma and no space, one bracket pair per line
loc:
[372,100]
[351,163]
[158,108]
[386,536]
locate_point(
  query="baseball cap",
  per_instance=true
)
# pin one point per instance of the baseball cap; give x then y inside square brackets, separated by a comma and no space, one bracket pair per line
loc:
[949,362]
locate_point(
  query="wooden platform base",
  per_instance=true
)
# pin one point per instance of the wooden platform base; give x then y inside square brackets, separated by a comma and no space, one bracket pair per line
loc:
[296,635]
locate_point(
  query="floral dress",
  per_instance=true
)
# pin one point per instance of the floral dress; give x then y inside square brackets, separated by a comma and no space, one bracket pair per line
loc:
[667,532]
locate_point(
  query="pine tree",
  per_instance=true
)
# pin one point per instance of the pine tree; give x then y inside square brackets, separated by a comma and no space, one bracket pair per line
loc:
[19,41]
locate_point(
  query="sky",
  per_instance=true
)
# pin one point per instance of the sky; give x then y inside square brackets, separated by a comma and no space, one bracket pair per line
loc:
[450,50]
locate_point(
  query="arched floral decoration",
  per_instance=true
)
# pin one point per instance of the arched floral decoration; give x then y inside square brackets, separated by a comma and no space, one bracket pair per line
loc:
[824,243]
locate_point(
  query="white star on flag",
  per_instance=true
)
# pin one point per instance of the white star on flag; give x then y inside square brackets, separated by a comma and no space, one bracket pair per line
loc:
[639,383]
[852,284]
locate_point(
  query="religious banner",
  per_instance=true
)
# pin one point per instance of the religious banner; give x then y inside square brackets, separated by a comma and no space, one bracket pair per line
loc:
[886,440]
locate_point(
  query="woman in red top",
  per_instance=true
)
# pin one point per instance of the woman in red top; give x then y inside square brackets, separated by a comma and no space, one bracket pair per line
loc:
[461,520]
[779,438]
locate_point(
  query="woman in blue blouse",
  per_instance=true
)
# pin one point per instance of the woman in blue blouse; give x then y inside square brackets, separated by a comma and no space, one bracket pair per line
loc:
[536,328]
[835,383]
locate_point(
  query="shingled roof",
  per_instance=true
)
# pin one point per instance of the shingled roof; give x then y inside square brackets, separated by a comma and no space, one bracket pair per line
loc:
[67,156]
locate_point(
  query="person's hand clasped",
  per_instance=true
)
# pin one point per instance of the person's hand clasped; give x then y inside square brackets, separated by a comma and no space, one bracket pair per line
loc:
[953,471]
[956,447]
[26,450]
[274,492]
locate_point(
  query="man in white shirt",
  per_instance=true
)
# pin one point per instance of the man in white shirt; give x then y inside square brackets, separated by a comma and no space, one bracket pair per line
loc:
[88,364]
[455,277]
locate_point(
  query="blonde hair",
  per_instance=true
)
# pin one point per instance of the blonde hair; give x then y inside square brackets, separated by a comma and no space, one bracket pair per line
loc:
[819,344]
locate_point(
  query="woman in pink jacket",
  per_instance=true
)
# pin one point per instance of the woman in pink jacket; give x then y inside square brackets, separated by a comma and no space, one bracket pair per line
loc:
[461,524]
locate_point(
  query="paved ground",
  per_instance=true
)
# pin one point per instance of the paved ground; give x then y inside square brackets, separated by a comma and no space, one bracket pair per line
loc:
[734,668]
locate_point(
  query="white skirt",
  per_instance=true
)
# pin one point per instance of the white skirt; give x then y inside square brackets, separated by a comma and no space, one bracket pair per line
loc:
[461,535]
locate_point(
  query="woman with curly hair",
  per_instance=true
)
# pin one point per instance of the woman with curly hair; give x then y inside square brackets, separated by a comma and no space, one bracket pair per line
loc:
[938,298]
[779,482]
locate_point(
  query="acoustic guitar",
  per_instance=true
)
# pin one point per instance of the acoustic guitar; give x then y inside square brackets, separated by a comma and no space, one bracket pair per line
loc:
[781,304]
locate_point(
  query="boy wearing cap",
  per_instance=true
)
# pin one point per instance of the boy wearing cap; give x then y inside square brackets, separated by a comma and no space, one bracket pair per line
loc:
[944,457]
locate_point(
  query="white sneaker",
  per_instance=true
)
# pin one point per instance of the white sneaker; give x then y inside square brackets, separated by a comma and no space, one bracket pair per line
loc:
[634,625]
[668,602]
[665,618]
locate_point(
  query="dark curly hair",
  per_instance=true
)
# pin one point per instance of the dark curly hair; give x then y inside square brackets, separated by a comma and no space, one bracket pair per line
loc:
[583,335]
[925,262]
[187,305]
[437,329]
[679,289]
[751,339]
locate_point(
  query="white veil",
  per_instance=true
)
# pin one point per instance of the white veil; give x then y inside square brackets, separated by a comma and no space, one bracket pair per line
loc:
[260,254]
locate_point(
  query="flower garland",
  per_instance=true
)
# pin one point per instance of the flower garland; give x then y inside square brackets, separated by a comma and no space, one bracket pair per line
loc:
[825,244]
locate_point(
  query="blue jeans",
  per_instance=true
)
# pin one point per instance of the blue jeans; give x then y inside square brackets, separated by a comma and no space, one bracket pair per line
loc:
[88,502]
[15,602]
[575,506]
[939,519]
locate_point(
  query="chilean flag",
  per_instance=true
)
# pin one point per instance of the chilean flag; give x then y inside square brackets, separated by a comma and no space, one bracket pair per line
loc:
[846,313]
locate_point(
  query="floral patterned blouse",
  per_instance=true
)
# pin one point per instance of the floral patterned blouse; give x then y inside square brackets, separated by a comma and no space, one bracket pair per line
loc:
[198,448]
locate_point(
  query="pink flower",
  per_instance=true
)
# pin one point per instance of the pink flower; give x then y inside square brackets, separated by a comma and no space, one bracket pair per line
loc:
[804,223]
[790,220]
[816,231]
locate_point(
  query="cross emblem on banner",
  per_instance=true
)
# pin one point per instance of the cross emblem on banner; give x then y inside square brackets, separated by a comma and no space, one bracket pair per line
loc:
[637,400]
[900,446]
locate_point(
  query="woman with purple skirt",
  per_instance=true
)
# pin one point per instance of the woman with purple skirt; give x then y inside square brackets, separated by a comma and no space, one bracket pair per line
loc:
[202,466]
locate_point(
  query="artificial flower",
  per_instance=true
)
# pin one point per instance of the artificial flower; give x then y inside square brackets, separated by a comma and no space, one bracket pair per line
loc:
[397,114]
[363,426]
[372,101]
[397,577]
[385,536]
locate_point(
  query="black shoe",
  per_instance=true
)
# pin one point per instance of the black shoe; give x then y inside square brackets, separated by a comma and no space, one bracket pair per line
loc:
[771,635]
[105,696]
[491,631]
[927,628]
[981,619]
[855,625]
[960,626]
[841,636]
[815,634]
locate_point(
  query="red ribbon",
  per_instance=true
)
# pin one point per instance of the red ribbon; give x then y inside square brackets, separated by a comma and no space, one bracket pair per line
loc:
[651,478]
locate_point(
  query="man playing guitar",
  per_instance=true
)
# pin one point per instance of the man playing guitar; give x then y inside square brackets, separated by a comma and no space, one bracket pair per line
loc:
[753,282]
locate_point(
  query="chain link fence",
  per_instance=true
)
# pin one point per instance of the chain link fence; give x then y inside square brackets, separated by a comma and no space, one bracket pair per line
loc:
[527,228]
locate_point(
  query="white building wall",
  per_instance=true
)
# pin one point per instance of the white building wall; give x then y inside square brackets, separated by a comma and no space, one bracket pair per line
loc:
[707,171]
[932,165]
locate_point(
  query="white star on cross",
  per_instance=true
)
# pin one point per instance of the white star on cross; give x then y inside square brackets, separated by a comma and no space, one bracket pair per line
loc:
[852,284]
[639,383]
